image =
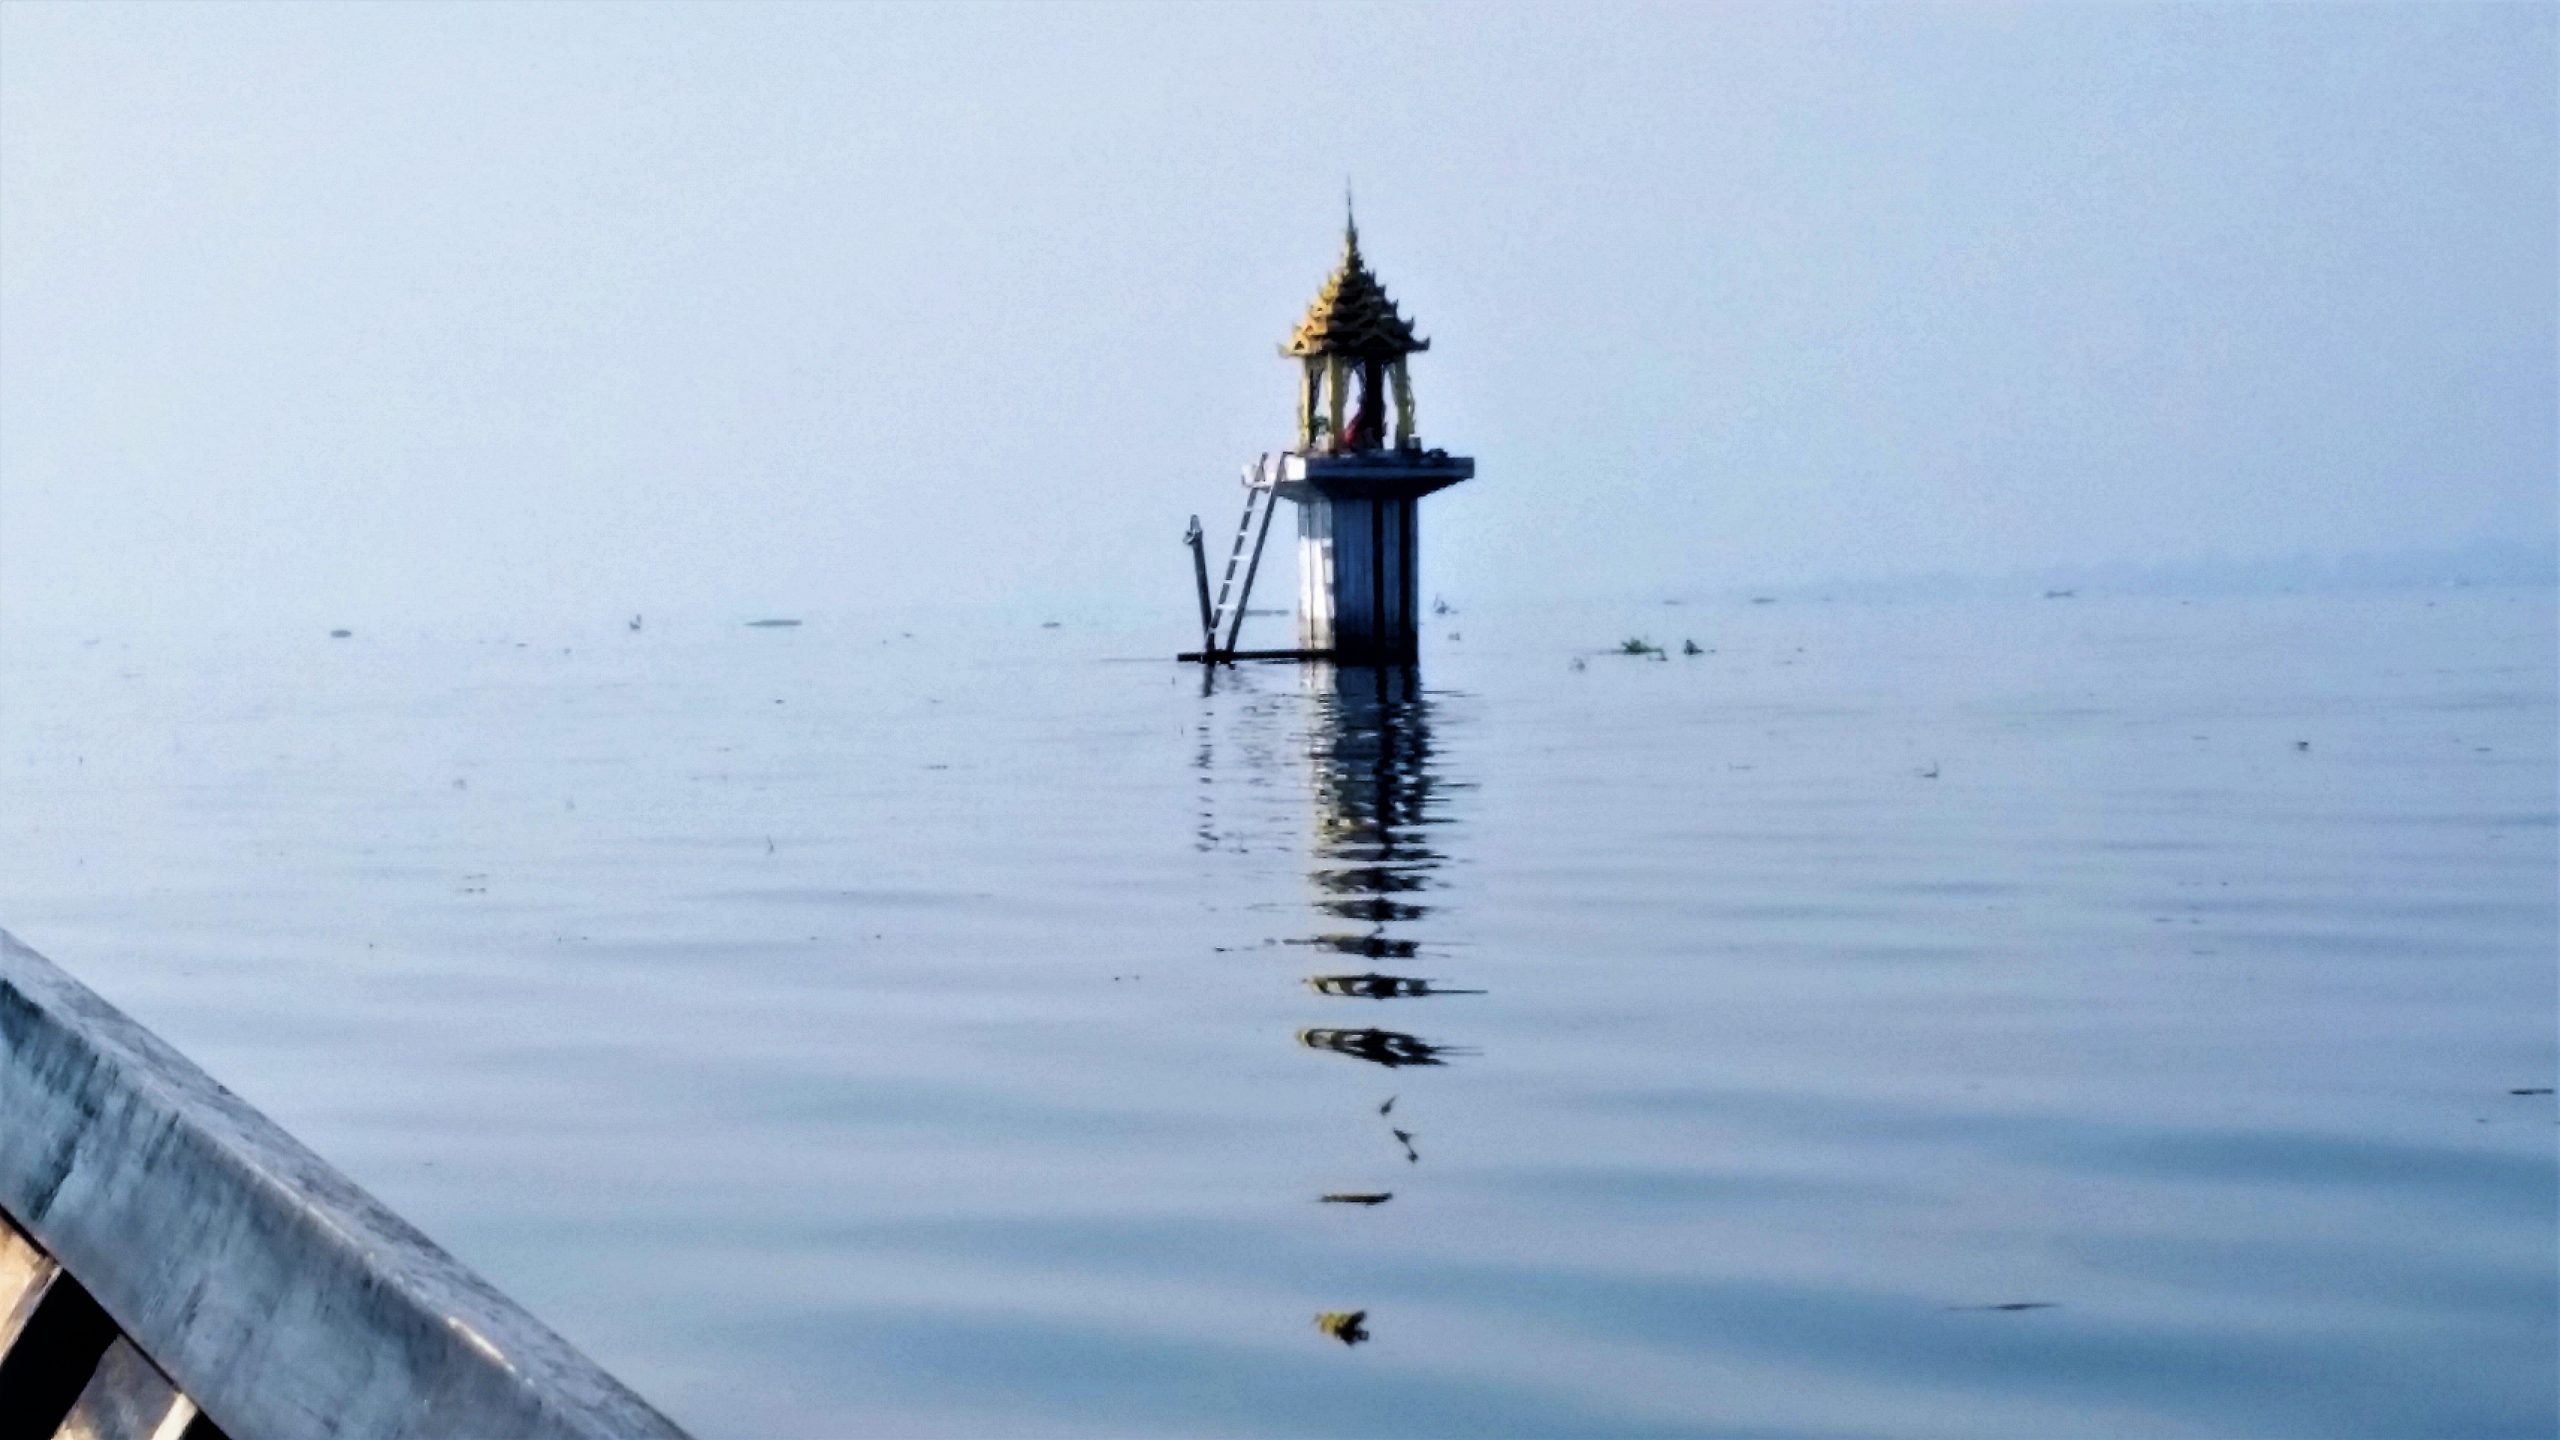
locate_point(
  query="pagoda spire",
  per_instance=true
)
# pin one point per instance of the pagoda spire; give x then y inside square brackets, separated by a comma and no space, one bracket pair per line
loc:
[1353,341]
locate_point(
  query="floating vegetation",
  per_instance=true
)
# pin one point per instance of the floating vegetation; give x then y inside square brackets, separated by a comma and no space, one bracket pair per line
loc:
[1638,645]
[1374,986]
[1577,662]
[773,624]
[1405,1139]
[1691,647]
[1390,1103]
[1390,1048]
[2012,1306]
[1348,1326]
[341,634]
[2532,1090]
[1360,1197]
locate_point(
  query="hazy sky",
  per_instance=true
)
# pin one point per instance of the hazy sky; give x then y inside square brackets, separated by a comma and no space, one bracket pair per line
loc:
[408,310]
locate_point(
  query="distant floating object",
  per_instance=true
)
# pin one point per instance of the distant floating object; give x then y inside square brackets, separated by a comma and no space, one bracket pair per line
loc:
[341,634]
[773,624]
[1348,1326]
[1360,1197]
[635,622]
[1764,599]
[2061,594]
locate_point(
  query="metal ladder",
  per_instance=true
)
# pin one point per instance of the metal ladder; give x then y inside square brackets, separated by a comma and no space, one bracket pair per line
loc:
[1259,501]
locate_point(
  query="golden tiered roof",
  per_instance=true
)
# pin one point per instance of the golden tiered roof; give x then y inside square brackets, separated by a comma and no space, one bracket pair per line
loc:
[1352,315]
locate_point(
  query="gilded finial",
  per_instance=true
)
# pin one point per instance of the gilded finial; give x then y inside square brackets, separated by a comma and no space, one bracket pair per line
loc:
[1352,314]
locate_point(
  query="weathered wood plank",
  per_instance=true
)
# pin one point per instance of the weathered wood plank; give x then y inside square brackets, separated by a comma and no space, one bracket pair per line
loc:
[24,1269]
[52,1356]
[283,1299]
[1224,656]
[127,1399]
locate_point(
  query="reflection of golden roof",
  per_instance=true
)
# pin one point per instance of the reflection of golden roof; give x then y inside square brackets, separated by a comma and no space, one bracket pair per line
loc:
[1352,314]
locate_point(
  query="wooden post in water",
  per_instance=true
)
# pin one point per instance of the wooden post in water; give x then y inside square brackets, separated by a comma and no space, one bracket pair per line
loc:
[1200,573]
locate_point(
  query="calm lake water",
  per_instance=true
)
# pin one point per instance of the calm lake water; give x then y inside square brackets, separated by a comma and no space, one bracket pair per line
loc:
[913,1027]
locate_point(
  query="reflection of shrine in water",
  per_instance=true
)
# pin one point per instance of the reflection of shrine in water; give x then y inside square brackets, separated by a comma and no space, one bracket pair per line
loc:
[1378,800]
[1391,1048]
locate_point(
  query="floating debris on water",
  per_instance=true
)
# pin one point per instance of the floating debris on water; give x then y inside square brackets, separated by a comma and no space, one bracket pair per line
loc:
[1374,986]
[1389,1104]
[772,624]
[1638,645]
[2532,1090]
[1691,647]
[1360,1197]
[2012,1306]
[1379,1047]
[1348,1326]
[1405,1139]
[341,634]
